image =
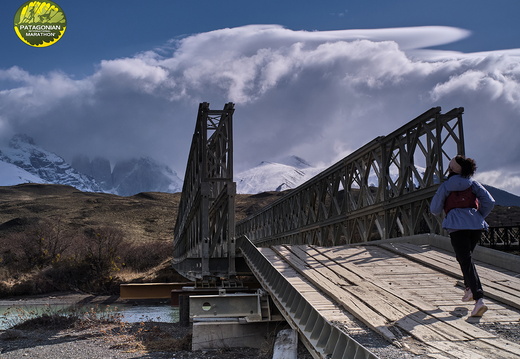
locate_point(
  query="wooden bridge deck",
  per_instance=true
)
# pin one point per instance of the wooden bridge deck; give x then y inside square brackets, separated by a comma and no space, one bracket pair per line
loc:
[410,294]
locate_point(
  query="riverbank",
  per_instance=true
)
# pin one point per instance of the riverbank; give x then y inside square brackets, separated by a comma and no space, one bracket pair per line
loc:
[100,339]
[61,298]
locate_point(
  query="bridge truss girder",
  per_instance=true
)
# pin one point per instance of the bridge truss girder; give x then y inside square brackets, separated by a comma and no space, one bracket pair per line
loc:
[204,242]
[380,191]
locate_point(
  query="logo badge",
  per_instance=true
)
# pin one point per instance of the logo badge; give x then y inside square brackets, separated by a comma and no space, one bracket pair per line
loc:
[40,23]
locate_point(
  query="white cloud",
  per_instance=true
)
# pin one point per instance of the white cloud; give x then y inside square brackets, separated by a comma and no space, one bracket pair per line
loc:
[505,179]
[318,95]
[135,73]
[495,77]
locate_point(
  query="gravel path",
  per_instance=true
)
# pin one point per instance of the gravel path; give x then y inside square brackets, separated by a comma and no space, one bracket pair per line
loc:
[122,341]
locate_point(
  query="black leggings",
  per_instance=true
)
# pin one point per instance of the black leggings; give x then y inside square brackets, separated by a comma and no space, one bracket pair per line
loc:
[464,242]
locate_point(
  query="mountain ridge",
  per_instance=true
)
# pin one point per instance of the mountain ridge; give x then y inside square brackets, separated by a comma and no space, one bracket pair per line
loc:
[25,162]
[48,166]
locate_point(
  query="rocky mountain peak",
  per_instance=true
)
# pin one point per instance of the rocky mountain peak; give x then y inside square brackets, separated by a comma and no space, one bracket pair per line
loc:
[20,139]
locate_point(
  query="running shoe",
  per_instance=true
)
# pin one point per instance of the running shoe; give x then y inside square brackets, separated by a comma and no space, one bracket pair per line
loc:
[480,308]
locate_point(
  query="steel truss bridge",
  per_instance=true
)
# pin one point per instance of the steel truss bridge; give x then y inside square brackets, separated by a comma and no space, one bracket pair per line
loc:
[382,190]
[334,248]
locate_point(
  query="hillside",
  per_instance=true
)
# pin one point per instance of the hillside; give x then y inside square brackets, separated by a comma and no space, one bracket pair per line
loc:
[143,217]
[56,238]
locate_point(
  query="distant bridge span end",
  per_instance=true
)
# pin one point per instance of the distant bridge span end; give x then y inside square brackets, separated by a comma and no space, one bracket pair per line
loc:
[204,244]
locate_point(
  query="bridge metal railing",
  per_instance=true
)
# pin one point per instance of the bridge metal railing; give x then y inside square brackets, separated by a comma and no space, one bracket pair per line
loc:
[502,237]
[382,190]
[204,242]
[320,336]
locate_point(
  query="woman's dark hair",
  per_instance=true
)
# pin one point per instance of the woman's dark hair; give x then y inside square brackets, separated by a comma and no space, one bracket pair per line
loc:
[467,165]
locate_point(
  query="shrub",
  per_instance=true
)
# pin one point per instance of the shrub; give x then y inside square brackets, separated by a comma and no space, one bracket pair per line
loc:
[141,257]
[70,274]
[102,247]
[40,245]
[45,258]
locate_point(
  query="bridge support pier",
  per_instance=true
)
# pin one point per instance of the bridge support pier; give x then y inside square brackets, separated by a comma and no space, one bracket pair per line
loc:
[232,320]
[231,334]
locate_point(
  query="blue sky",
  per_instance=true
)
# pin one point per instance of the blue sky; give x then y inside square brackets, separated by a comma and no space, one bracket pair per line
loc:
[306,77]
[101,30]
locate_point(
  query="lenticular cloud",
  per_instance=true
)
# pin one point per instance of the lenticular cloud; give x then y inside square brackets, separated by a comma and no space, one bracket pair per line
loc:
[315,94]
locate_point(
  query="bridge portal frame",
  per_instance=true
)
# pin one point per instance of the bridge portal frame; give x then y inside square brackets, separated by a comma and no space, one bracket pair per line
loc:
[204,234]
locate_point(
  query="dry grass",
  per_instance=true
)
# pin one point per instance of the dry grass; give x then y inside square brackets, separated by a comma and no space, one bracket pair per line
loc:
[144,217]
[149,216]
[148,337]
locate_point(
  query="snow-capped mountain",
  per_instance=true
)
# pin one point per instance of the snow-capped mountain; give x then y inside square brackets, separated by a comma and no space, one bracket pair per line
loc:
[296,162]
[286,174]
[130,176]
[273,176]
[23,153]
[22,161]
[11,175]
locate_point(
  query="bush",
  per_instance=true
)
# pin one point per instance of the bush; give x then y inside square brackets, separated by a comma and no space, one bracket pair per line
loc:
[5,290]
[70,275]
[42,244]
[45,258]
[102,246]
[144,256]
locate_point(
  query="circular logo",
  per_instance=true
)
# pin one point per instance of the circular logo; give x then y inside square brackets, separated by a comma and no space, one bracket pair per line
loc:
[40,23]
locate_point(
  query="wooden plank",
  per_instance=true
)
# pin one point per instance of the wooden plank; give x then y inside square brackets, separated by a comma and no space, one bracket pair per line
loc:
[486,270]
[350,303]
[446,265]
[329,310]
[420,331]
[417,323]
[504,345]
[426,310]
[493,289]
[462,350]
[478,349]
[373,296]
[434,326]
